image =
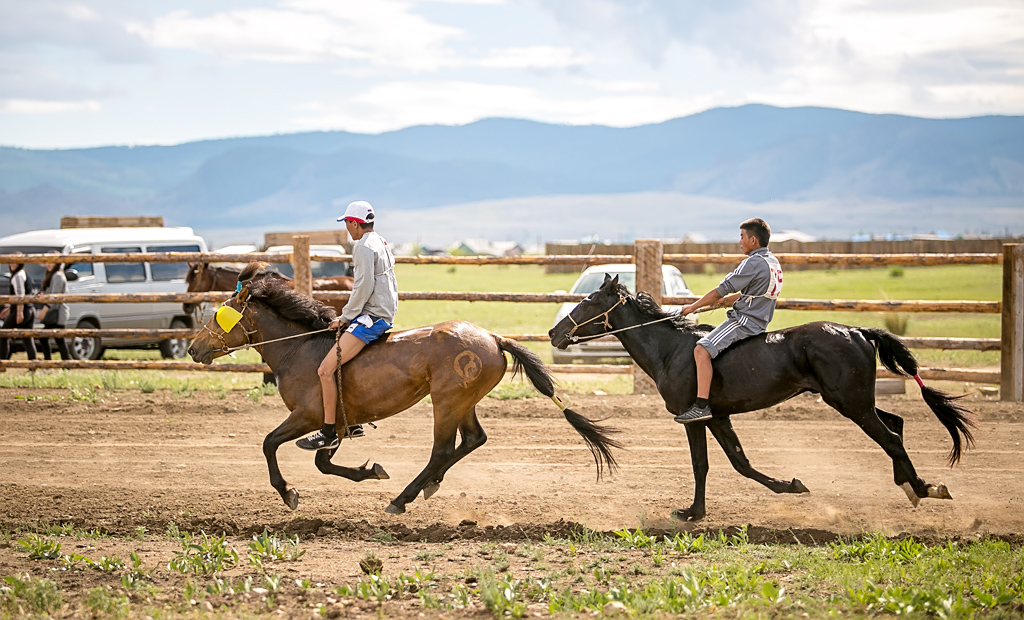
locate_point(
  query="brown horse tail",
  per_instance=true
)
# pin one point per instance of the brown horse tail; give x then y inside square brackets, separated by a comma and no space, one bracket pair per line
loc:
[596,436]
[958,420]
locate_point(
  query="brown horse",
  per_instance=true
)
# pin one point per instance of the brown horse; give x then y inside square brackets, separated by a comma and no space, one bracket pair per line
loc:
[456,363]
[202,278]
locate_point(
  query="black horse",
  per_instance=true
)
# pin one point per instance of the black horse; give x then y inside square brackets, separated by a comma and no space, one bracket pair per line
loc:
[836,361]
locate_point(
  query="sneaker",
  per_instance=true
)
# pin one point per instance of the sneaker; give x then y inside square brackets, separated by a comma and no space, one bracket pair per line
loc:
[694,414]
[318,441]
[356,430]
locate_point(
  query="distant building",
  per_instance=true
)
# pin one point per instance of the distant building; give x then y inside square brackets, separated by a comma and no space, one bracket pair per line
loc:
[483,247]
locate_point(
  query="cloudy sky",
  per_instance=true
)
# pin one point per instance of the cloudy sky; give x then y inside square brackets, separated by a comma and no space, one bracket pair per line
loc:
[98,72]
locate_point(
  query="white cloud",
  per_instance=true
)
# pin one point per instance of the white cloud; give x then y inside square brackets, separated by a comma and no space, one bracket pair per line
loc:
[381,33]
[395,105]
[29,106]
[535,57]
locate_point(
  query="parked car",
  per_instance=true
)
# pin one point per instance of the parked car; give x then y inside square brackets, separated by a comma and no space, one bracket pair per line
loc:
[138,277]
[319,269]
[672,284]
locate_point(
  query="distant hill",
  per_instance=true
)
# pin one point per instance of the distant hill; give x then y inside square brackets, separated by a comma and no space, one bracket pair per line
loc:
[749,154]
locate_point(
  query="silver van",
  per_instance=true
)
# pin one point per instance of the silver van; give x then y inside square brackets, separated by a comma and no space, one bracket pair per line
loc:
[138,277]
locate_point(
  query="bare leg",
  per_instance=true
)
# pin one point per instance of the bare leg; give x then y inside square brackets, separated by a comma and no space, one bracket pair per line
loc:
[350,347]
[704,371]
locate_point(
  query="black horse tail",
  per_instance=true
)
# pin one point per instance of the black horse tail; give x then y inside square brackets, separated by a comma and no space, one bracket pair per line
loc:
[596,436]
[895,356]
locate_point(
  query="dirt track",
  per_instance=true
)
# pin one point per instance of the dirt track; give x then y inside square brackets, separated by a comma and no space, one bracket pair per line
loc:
[137,459]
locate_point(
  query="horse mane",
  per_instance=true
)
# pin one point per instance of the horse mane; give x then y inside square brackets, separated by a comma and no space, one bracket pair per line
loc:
[645,304]
[272,289]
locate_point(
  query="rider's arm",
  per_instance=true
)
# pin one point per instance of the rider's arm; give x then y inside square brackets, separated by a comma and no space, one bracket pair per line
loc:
[362,287]
[710,298]
[729,300]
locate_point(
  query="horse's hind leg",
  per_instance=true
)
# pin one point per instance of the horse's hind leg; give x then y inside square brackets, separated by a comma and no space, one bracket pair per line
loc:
[473,436]
[886,430]
[722,429]
[296,425]
[696,435]
[891,420]
[443,451]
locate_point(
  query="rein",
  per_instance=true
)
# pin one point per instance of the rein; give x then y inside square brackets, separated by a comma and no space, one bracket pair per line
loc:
[248,344]
[573,338]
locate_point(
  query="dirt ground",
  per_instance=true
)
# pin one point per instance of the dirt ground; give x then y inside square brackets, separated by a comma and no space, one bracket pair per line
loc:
[133,459]
[137,467]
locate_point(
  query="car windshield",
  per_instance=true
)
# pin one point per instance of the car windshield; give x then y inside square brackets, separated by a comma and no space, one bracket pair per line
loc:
[36,271]
[592,281]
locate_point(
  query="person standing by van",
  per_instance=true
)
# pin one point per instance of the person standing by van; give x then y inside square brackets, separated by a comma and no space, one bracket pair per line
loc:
[18,316]
[55,316]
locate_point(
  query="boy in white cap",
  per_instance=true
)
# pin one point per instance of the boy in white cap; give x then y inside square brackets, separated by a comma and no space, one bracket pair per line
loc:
[369,313]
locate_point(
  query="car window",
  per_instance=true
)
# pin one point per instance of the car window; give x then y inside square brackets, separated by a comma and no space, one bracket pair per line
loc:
[84,270]
[593,281]
[164,272]
[124,272]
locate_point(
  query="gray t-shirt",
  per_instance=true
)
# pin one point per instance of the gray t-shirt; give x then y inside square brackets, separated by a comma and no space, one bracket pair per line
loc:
[758,280]
[375,290]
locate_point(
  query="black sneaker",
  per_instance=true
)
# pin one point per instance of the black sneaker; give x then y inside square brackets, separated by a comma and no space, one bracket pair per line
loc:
[318,441]
[694,414]
[356,430]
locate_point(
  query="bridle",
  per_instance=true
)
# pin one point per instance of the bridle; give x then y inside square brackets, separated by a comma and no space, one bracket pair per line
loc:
[224,343]
[572,337]
[248,333]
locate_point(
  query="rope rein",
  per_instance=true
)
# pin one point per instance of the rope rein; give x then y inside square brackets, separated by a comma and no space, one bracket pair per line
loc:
[574,338]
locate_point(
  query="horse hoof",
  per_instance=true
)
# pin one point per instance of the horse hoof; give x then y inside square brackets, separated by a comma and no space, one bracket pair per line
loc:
[380,473]
[291,499]
[430,489]
[798,487]
[939,492]
[392,509]
[911,494]
[687,515]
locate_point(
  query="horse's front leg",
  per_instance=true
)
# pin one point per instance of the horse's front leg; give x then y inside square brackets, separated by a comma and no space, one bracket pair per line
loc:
[722,429]
[355,474]
[296,425]
[698,439]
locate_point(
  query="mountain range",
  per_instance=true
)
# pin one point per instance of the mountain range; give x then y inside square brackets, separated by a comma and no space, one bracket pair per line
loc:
[752,157]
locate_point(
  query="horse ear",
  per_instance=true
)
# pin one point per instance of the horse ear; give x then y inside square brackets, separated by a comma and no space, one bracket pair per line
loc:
[243,294]
[615,281]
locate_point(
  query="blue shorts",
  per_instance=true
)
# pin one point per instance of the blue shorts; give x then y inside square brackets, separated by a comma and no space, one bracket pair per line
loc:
[725,334]
[367,328]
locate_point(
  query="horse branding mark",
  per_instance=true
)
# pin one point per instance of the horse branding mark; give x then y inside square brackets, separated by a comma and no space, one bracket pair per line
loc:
[467,366]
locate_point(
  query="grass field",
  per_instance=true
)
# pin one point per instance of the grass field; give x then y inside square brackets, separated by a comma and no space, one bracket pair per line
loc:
[926,283]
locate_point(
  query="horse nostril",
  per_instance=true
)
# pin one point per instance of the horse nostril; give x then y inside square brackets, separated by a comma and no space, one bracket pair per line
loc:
[551,333]
[192,351]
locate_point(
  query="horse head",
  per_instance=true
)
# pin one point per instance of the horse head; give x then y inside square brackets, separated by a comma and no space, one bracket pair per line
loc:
[590,317]
[197,280]
[225,331]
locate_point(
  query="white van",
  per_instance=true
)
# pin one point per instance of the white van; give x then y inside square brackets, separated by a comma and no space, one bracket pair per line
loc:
[138,277]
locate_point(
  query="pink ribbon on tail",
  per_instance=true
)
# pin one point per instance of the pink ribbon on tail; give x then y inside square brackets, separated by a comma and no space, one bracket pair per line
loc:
[919,382]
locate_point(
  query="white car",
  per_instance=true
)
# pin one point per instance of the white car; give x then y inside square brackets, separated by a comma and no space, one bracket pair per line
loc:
[319,269]
[672,285]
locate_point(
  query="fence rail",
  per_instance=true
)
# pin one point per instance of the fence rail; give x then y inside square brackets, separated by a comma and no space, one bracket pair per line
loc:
[820,305]
[1011,378]
[565,259]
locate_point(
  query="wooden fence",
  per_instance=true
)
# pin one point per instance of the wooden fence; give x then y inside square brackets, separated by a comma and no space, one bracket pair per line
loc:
[649,255]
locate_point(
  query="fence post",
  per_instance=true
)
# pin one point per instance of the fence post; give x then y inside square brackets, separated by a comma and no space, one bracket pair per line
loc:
[1011,358]
[300,265]
[647,255]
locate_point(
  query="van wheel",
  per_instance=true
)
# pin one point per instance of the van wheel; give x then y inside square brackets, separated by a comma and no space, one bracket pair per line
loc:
[83,348]
[175,348]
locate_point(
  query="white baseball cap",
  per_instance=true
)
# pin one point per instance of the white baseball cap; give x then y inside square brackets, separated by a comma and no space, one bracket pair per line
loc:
[359,211]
